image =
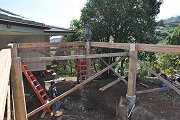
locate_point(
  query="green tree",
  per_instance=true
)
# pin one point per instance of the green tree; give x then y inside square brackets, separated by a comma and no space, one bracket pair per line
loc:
[170,63]
[174,37]
[125,20]
[78,35]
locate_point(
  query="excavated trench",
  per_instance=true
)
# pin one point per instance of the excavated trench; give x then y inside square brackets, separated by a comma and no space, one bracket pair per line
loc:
[89,103]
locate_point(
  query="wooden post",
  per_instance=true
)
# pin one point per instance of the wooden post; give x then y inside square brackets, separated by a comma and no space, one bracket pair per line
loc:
[130,97]
[88,51]
[9,104]
[17,87]
[132,70]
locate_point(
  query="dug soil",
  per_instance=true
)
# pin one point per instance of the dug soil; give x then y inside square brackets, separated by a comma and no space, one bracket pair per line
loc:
[88,103]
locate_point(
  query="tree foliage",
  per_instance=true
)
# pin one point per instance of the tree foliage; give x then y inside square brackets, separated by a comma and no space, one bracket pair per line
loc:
[174,37]
[125,20]
[169,64]
[78,35]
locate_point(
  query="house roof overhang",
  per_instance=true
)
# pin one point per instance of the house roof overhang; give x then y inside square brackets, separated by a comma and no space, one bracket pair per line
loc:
[10,19]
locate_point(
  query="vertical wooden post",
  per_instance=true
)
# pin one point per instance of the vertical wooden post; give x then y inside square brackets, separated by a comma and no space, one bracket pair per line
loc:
[126,106]
[17,87]
[9,104]
[131,97]
[88,51]
[132,70]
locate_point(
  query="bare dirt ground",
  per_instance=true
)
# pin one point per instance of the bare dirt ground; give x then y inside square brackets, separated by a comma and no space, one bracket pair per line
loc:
[91,104]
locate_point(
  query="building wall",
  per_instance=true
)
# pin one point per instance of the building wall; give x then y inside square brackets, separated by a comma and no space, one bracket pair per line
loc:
[4,41]
[27,53]
[30,53]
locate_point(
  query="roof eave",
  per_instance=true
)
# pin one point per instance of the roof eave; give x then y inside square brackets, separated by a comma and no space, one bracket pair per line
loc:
[2,21]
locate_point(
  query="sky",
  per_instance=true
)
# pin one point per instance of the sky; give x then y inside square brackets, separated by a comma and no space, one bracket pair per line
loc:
[61,12]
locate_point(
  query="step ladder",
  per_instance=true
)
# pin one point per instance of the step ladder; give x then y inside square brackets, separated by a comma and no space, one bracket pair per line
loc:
[38,89]
[83,70]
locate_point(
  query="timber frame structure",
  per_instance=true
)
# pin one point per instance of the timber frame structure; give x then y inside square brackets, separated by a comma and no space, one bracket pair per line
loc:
[10,64]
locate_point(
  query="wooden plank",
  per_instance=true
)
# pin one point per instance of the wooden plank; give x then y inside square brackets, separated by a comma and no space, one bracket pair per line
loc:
[111,45]
[9,104]
[71,90]
[144,85]
[132,70]
[109,85]
[120,77]
[152,90]
[169,49]
[159,77]
[55,58]
[17,87]
[48,44]
[5,60]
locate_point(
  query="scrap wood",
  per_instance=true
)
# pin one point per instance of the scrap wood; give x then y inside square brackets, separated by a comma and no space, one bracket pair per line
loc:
[144,85]
[152,90]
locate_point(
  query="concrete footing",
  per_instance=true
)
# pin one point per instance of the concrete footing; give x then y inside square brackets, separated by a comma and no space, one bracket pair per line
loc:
[125,107]
[131,100]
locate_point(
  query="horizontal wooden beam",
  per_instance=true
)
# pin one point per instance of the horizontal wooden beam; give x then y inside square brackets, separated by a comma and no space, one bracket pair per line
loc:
[111,45]
[49,44]
[71,90]
[151,90]
[55,58]
[5,67]
[169,49]
[160,78]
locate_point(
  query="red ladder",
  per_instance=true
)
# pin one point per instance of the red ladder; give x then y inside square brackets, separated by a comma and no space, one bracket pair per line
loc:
[83,75]
[38,89]
[83,70]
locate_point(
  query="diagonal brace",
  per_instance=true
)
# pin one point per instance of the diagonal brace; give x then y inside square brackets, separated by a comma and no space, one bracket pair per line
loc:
[120,77]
